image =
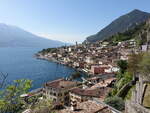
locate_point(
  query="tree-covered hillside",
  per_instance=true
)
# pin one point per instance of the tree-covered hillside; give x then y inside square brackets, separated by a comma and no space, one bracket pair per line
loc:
[120,25]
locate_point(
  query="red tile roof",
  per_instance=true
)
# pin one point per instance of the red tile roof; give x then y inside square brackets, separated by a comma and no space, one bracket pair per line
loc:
[99,92]
[60,84]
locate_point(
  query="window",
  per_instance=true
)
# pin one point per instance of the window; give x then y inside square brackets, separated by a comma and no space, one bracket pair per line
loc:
[59,94]
[54,94]
[54,100]
[66,93]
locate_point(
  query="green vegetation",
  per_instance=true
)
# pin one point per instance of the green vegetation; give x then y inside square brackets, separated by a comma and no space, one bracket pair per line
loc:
[133,63]
[126,78]
[122,64]
[10,100]
[137,63]
[49,50]
[144,65]
[140,63]
[118,26]
[75,75]
[43,106]
[129,94]
[115,102]
[127,35]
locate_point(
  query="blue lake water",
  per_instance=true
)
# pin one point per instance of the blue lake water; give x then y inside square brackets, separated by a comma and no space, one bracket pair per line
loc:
[19,63]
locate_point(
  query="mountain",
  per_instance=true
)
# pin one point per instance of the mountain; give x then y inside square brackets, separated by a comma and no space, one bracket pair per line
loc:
[12,36]
[121,24]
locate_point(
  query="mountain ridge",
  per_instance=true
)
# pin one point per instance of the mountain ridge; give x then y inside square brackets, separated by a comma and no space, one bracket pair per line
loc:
[13,36]
[121,24]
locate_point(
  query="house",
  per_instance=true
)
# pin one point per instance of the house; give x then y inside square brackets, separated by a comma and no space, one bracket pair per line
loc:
[102,80]
[144,48]
[59,55]
[58,90]
[112,69]
[99,69]
[71,48]
[89,60]
[79,64]
[89,106]
[132,42]
[103,83]
[76,64]
[94,80]
[104,44]
[81,95]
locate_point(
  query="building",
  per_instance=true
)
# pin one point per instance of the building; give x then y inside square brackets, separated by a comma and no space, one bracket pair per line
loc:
[112,69]
[89,60]
[58,90]
[87,107]
[81,95]
[104,83]
[99,69]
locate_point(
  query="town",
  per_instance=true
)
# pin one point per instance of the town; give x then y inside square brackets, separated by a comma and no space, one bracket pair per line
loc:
[75,56]
[99,62]
[93,59]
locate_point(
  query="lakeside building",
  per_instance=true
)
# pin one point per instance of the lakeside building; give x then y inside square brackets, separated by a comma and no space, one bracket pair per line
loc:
[80,95]
[58,90]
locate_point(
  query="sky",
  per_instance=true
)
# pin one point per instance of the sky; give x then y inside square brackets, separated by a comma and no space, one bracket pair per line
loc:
[66,20]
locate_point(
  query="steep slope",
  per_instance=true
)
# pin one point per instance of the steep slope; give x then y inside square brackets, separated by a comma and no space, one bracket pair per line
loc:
[11,36]
[121,24]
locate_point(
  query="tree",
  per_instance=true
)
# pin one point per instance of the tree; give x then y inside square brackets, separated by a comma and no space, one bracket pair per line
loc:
[133,62]
[75,75]
[115,102]
[122,64]
[144,65]
[10,100]
[43,106]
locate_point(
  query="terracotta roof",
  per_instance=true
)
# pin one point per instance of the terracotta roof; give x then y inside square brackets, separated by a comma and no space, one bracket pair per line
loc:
[99,92]
[60,84]
[87,107]
[104,83]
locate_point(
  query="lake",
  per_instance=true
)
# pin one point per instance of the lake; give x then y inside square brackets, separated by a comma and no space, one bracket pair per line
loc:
[19,63]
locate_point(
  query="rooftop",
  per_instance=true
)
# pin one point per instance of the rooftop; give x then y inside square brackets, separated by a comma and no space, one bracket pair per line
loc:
[87,107]
[60,84]
[103,83]
[99,92]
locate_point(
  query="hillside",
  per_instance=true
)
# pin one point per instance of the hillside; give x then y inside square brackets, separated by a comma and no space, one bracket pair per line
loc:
[123,23]
[12,36]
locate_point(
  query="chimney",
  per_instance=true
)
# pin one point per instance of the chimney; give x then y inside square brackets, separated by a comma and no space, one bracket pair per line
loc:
[73,105]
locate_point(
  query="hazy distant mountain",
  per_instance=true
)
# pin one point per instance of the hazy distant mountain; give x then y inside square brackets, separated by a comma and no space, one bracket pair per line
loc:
[11,36]
[121,24]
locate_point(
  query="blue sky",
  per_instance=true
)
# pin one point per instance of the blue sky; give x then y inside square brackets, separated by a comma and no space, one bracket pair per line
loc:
[66,20]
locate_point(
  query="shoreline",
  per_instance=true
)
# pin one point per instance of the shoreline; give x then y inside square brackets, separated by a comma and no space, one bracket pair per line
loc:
[52,59]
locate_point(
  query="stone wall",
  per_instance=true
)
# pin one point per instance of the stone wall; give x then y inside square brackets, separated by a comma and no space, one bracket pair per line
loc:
[135,108]
[135,104]
[137,93]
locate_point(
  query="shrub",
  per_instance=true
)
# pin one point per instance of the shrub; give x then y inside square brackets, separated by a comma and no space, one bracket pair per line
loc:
[115,102]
